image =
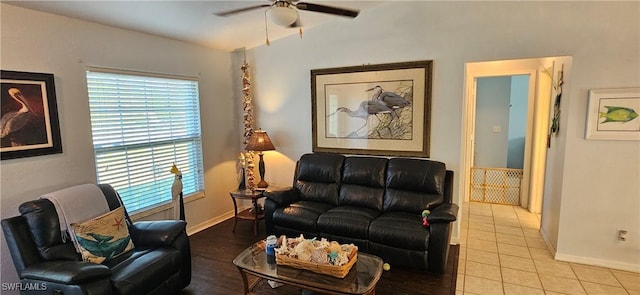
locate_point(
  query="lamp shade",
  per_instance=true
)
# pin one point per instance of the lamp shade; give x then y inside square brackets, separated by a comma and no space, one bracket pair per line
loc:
[259,141]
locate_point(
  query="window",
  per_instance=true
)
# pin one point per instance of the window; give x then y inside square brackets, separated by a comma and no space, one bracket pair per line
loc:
[141,125]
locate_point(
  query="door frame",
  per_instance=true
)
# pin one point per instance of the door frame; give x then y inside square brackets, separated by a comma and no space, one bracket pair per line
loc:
[537,123]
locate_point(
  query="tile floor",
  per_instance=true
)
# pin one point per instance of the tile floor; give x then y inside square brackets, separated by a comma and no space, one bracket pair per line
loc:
[502,252]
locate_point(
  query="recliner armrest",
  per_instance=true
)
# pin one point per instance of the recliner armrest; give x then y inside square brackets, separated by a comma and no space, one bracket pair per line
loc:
[66,272]
[283,197]
[156,233]
[447,212]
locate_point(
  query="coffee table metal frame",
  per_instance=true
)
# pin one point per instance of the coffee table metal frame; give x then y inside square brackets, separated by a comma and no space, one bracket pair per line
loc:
[362,277]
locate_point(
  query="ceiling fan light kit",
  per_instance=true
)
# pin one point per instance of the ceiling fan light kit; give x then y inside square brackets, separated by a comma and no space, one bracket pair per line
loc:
[285,12]
[283,16]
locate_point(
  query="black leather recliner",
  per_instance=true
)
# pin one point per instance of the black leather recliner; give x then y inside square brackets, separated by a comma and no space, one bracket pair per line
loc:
[374,203]
[159,264]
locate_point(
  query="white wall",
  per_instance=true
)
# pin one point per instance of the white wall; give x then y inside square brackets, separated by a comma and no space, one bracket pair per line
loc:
[39,42]
[517,121]
[591,186]
[492,111]
[599,176]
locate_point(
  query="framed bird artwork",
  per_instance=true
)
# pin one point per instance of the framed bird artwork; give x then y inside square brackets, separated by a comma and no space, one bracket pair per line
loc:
[29,121]
[379,109]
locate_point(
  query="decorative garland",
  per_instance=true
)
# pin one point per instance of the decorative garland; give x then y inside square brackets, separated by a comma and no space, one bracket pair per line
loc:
[555,121]
[248,121]
[555,124]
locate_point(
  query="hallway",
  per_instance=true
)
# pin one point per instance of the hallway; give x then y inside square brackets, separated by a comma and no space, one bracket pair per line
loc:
[502,252]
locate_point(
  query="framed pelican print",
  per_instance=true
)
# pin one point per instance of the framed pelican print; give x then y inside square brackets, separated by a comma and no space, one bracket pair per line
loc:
[382,109]
[614,114]
[29,113]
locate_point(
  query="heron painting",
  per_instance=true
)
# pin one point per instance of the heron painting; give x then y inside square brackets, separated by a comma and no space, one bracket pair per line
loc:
[372,109]
[28,115]
[380,114]
[366,109]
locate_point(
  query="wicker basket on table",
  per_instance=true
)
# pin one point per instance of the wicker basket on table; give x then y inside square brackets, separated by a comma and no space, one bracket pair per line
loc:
[338,271]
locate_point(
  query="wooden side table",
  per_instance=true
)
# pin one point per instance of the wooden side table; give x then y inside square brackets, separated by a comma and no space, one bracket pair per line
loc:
[256,215]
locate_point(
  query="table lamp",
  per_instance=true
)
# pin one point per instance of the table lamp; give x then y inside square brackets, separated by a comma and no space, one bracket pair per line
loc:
[259,142]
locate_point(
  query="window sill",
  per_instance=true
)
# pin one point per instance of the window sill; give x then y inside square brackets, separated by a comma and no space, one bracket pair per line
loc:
[165,206]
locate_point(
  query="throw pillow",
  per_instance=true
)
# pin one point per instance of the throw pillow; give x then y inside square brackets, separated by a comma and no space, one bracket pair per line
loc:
[104,237]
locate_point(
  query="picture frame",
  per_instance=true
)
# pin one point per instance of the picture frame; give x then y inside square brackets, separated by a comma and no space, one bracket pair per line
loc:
[29,111]
[613,114]
[382,109]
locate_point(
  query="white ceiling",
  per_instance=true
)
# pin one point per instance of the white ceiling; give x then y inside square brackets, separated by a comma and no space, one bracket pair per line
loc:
[192,21]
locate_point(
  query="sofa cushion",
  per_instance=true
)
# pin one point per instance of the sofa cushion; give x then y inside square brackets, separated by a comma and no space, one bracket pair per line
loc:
[363,182]
[318,192]
[414,185]
[66,272]
[44,227]
[347,221]
[302,215]
[401,230]
[366,171]
[320,168]
[141,270]
[318,177]
[361,196]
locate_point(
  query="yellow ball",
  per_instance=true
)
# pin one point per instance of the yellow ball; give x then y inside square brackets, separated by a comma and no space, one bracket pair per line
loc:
[386,266]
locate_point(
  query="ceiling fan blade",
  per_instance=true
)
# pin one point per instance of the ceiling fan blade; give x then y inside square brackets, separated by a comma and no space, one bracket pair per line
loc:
[239,10]
[327,9]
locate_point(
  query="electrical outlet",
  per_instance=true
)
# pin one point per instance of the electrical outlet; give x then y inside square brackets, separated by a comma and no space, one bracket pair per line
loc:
[622,235]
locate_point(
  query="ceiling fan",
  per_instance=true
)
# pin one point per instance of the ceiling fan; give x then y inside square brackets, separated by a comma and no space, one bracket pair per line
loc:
[285,12]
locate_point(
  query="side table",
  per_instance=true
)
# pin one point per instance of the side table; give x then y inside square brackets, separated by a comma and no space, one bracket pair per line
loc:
[256,215]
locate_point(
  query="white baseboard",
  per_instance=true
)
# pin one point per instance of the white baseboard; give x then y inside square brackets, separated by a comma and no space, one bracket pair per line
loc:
[545,238]
[211,222]
[598,262]
[588,260]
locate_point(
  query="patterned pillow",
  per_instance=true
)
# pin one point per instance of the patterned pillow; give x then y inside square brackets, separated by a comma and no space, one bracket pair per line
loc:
[104,237]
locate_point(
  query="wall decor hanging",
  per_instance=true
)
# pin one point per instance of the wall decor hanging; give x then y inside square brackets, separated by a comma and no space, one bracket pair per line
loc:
[29,112]
[554,129]
[555,122]
[382,109]
[247,171]
[613,114]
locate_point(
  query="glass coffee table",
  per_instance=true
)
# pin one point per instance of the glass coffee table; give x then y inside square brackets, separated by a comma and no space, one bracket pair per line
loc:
[361,279]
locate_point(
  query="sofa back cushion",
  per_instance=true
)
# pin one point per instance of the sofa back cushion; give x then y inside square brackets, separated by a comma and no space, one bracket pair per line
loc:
[363,180]
[414,185]
[318,177]
[44,226]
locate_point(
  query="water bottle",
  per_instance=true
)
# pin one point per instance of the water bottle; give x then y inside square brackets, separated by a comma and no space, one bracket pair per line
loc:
[272,243]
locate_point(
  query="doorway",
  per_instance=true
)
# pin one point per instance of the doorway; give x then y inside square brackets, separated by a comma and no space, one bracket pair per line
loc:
[499,143]
[540,76]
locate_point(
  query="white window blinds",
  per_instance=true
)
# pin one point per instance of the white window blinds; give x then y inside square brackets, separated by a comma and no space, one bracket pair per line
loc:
[141,125]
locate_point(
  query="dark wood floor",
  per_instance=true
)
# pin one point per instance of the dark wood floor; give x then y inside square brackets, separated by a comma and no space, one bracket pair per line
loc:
[213,250]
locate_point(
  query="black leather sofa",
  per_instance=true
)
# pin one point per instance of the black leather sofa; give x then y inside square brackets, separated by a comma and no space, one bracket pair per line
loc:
[374,203]
[160,263]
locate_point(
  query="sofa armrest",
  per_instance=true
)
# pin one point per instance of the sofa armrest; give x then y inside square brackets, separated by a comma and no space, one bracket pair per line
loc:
[283,197]
[156,233]
[66,272]
[446,212]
